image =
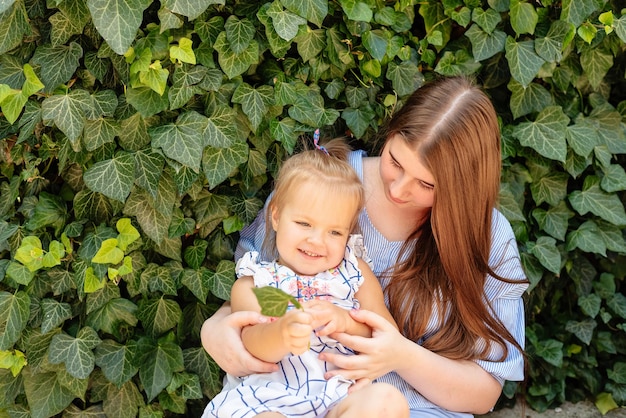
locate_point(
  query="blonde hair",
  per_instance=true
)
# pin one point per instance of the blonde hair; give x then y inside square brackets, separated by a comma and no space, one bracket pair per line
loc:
[329,171]
[453,126]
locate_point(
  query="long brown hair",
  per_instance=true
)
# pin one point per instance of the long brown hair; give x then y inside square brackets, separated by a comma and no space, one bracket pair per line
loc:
[452,125]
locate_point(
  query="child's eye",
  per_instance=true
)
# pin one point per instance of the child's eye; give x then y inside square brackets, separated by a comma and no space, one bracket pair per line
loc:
[336,233]
[302,223]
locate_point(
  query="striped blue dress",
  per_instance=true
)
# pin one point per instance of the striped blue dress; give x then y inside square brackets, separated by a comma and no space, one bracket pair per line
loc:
[505,298]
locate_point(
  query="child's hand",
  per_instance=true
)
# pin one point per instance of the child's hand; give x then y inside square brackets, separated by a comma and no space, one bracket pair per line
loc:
[296,327]
[327,317]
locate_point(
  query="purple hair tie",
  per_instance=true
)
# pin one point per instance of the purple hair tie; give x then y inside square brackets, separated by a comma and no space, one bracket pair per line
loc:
[316,140]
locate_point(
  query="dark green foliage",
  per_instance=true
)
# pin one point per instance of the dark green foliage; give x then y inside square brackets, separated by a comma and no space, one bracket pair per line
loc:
[139,137]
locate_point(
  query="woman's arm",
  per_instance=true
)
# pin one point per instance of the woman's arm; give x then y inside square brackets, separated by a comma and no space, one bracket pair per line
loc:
[221,338]
[456,385]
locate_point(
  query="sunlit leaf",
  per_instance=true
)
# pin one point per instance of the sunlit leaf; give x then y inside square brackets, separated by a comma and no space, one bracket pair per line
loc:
[113,178]
[14,312]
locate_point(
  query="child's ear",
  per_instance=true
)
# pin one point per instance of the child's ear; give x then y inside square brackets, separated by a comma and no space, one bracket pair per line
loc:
[274,217]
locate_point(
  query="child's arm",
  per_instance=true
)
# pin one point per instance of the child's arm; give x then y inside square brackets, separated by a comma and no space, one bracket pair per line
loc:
[336,319]
[270,341]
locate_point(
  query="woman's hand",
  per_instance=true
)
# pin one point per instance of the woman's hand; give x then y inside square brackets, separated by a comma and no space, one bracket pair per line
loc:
[375,357]
[221,338]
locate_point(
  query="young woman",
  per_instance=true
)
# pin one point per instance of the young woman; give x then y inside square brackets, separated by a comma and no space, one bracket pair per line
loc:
[315,259]
[447,260]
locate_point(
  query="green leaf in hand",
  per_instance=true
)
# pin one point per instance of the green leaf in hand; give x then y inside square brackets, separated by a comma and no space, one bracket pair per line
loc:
[274,301]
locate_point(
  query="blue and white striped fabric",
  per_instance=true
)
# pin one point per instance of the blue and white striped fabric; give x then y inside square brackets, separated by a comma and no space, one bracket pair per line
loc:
[504,297]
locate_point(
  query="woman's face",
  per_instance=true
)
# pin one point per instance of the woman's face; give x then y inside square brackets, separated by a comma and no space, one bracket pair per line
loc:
[406,182]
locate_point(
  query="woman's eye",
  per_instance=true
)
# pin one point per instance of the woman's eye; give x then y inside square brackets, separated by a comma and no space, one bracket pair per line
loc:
[426,186]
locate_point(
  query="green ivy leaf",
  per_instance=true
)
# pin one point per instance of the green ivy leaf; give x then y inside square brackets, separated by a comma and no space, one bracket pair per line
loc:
[284,131]
[159,315]
[587,238]
[221,132]
[159,362]
[554,221]
[274,301]
[54,314]
[223,279]
[546,134]
[582,137]
[190,8]
[92,282]
[113,178]
[530,99]
[21,274]
[551,188]
[550,47]
[117,20]
[405,77]
[54,255]
[356,10]
[13,360]
[46,395]
[13,26]
[485,44]
[593,199]
[548,255]
[182,141]
[583,329]
[152,221]
[99,131]
[375,41]
[195,254]
[285,23]
[551,351]
[576,12]
[14,313]
[613,238]
[148,169]
[310,43]
[254,102]
[524,62]
[596,63]
[219,163]
[358,120]
[523,17]
[109,316]
[198,282]
[314,10]
[239,33]
[147,101]
[76,353]
[234,64]
[30,253]
[67,112]
[122,402]
[58,63]
[160,279]
[116,361]
[487,19]
[590,304]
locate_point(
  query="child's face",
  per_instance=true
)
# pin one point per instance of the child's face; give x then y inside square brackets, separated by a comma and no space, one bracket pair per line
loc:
[312,229]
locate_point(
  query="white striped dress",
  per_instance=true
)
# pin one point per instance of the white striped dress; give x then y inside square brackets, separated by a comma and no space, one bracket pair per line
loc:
[298,388]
